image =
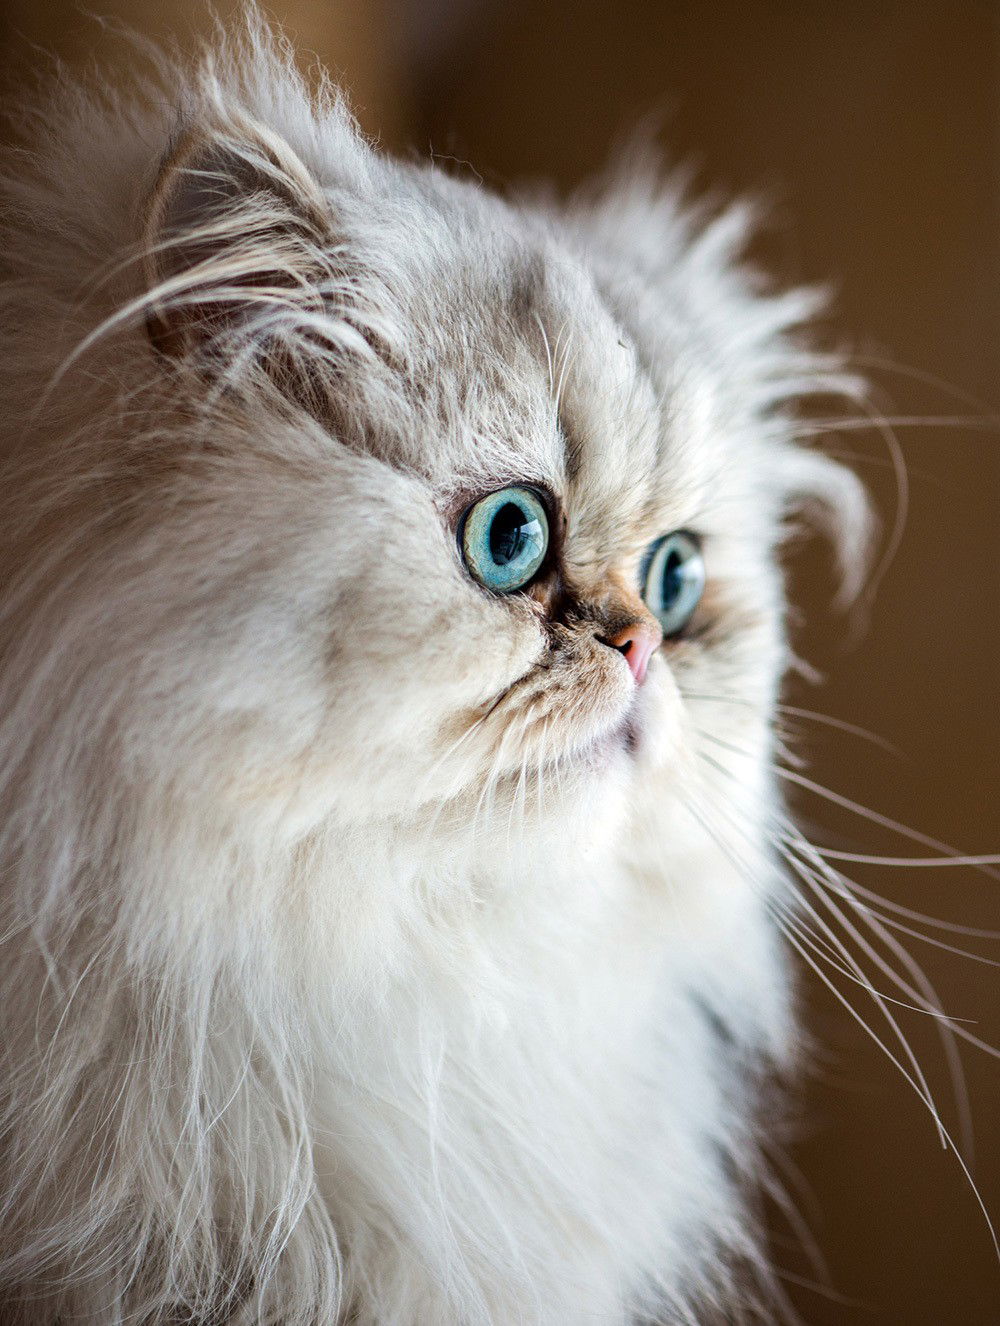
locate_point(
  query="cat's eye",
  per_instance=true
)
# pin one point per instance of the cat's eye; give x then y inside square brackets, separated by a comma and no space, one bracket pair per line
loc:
[505,537]
[673,578]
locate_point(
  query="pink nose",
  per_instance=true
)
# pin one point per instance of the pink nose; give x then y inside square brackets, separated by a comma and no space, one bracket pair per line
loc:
[638,642]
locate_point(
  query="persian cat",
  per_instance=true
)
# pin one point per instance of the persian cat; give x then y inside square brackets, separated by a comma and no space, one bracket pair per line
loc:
[392,624]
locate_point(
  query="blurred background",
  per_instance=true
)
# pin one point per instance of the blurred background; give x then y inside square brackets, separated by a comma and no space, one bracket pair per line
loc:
[873,132]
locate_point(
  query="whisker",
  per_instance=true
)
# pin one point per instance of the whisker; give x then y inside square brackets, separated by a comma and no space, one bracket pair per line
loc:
[915,1078]
[895,539]
[824,427]
[563,373]
[827,720]
[875,817]
[926,997]
[916,862]
[798,1221]
[929,1104]
[855,973]
[865,913]
[970,931]
[789,929]
[980,862]
[794,711]
[921,375]
[518,798]
[548,352]
[914,933]
[923,993]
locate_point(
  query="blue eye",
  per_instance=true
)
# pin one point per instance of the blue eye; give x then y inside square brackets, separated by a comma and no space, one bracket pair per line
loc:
[504,539]
[673,578]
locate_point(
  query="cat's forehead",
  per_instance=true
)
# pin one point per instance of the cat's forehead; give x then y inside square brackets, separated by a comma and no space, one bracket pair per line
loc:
[520,369]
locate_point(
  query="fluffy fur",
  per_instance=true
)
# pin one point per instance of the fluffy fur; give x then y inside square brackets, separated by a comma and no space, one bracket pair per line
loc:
[374,950]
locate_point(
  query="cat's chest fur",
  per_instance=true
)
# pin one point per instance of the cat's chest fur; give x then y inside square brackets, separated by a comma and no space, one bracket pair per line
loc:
[539,1108]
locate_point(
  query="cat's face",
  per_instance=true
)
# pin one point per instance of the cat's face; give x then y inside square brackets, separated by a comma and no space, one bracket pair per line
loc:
[403,373]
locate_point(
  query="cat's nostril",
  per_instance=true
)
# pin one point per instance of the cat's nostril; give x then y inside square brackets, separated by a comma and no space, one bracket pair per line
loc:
[637,642]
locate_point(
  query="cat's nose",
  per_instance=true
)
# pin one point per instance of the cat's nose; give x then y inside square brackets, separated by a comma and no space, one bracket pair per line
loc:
[638,642]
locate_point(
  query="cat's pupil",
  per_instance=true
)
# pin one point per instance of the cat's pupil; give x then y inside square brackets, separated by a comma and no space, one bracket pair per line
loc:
[510,531]
[673,578]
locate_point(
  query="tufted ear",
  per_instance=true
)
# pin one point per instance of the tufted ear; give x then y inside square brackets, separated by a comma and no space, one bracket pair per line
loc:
[241,257]
[831,498]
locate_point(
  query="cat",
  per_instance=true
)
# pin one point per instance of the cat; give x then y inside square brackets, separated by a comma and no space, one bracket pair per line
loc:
[392,630]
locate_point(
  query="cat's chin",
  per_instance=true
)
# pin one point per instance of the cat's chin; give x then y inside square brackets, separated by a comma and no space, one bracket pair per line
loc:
[609,748]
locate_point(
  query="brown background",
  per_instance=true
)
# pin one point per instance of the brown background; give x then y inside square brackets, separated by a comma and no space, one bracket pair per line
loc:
[874,131]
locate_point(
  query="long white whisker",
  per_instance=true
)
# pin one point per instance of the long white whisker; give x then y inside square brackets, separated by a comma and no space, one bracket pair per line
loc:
[913,1083]
[548,353]
[824,427]
[925,1003]
[951,927]
[915,862]
[875,923]
[927,1000]
[886,365]
[980,862]
[876,818]
[926,997]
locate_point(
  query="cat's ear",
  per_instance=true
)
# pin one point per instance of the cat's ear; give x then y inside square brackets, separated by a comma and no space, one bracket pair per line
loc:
[239,251]
[829,497]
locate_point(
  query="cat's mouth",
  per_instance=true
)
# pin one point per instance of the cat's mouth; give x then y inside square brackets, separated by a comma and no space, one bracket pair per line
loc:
[558,724]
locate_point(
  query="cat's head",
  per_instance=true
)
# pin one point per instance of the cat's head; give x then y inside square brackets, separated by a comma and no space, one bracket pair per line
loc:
[423,503]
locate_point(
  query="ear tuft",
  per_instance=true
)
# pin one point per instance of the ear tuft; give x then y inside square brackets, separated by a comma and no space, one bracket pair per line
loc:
[834,499]
[238,244]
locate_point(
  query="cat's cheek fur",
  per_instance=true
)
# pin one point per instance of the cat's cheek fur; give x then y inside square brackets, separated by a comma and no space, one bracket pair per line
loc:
[289,708]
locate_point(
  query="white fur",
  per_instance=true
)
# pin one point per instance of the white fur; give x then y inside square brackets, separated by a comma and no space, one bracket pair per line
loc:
[329,990]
